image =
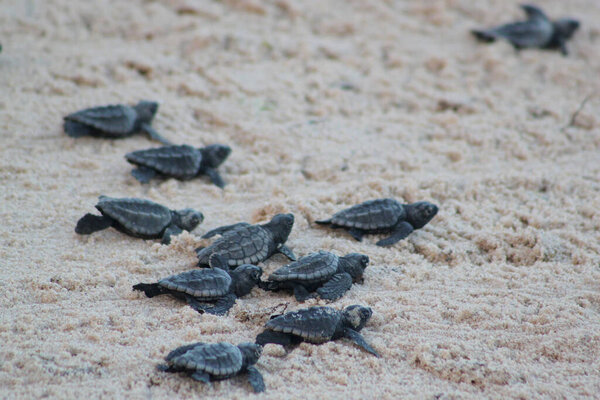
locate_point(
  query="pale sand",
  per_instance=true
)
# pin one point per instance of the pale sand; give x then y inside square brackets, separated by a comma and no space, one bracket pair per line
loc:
[326,104]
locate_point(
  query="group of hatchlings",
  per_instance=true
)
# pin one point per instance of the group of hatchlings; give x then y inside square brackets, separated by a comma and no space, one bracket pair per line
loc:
[228,266]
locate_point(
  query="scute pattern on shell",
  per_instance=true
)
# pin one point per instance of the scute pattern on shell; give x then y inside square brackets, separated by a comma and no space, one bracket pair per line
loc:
[315,324]
[204,283]
[117,119]
[181,162]
[245,245]
[137,215]
[218,359]
[313,267]
[372,214]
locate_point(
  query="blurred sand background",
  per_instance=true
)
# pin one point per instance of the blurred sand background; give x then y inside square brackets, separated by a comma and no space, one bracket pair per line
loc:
[325,104]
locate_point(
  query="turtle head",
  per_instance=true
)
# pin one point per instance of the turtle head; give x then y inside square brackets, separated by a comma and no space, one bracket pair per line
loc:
[146,110]
[245,277]
[354,264]
[188,219]
[215,154]
[281,226]
[356,316]
[566,27]
[250,353]
[420,213]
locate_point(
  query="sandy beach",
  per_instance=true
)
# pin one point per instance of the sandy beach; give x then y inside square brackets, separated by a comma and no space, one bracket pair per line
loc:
[325,104]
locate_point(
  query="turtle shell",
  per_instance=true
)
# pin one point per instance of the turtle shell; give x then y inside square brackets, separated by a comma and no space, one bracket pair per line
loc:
[115,119]
[245,245]
[203,283]
[139,216]
[217,359]
[311,268]
[371,215]
[181,162]
[315,324]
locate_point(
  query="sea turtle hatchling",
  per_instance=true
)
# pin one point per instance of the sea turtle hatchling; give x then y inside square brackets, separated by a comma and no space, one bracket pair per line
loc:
[243,243]
[537,31]
[180,162]
[383,216]
[114,121]
[139,218]
[324,272]
[203,286]
[205,362]
[318,325]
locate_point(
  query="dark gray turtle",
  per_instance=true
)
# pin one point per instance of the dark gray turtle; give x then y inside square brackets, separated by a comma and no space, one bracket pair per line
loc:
[207,362]
[139,218]
[243,243]
[537,31]
[318,325]
[207,286]
[383,216]
[114,121]
[180,162]
[324,272]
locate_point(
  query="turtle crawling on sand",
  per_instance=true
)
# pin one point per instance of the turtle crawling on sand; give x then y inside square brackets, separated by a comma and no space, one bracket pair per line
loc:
[318,325]
[205,362]
[324,272]
[203,286]
[139,218]
[243,243]
[537,31]
[383,216]
[180,162]
[114,121]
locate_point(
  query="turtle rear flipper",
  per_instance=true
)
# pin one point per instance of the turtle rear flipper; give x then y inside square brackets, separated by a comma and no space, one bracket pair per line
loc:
[484,36]
[91,223]
[150,289]
[401,231]
[359,341]
[77,129]
[148,129]
[335,287]
[143,174]
[256,380]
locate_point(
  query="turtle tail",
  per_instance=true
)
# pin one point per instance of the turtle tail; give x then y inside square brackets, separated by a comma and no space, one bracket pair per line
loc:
[484,36]
[151,289]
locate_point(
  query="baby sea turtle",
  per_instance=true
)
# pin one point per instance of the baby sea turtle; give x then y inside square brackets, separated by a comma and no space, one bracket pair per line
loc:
[207,362]
[537,31]
[243,243]
[207,285]
[114,121]
[139,218]
[383,216]
[324,272]
[180,162]
[318,325]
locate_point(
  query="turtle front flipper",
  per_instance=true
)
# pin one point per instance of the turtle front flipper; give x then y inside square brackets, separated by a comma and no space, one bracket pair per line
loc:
[301,293]
[222,229]
[91,223]
[215,177]
[172,230]
[359,341]
[356,233]
[335,287]
[256,380]
[402,230]
[222,305]
[143,174]
[150,289]
[150,131]
[218,261]
[200,376]
[286,251]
